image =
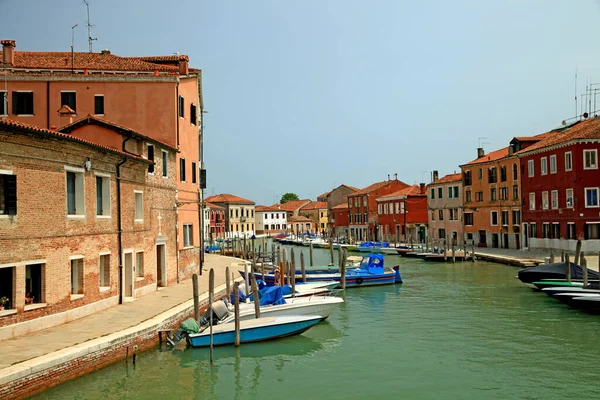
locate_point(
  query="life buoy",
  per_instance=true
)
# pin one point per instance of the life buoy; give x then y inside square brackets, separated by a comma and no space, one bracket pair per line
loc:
[359,280]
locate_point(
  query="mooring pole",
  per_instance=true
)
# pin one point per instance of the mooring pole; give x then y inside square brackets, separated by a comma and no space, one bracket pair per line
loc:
[256,299]
[331,251]
[577,252]
[585,270]
[302,266]
[211,296]
[195,291]
[310,247]
[236,307]
[568,267]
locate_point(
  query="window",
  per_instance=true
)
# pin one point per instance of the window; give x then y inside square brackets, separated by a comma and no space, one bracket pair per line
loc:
[479,196]
[104,272]
[8,193]
[544,166]
[515,192]
[532,201]
[590,159]
[188,235]
[553,164]
[494,215]
[456,192]
[139,205]
[468,219]
[77,275]
[102,195]
[433,215]
[591,231]
[467,178]
[493,194]
[151,158]
[165,164]
[139,263]
[504,217]
[398,207]
[468,197]
[441,215]
[432,193]
[3,103]
[530,170]
[68,98]
[193,114]
[515,172]
[554,199]
[385,208]
[440,193]
[441,233]
[450,192]
[480,173]
[182,169]
[492,176]
[365,218]
[181,105]
[503,173]
[555,230]
[22,103]
[591,197]
[569,198]
[75,195]
[544,200]
[533,230]
[545,230]
[503,193]
[33,284]
[568,161]
[401,207]
[454,214]
[516,216]
[365,201]
[571,232]
[379,209]
[99,104]
[193,172]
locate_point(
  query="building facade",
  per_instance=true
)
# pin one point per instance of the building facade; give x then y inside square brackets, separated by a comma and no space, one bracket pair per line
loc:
[402,215]
[338,220]
[317,212]
[270,220]
[217,221]
[239,214]
[299,225]
[445,209]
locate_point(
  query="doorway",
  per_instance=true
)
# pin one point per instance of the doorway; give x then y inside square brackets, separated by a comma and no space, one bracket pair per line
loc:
[482,239]
[495,240]
[526,235]
[160,265]
[505,240]
[128,270]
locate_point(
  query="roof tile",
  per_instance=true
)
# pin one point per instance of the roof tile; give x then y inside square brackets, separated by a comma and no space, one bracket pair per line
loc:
[228,198]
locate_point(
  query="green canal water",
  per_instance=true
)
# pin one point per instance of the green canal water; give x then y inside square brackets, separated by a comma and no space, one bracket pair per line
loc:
[462,331]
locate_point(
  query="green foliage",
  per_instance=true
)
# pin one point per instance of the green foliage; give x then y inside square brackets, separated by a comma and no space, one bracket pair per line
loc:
[287,197]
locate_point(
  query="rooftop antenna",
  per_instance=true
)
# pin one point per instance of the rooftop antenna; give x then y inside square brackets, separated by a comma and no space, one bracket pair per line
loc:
[575,90]
[479,141]
[73,47]
[89,26]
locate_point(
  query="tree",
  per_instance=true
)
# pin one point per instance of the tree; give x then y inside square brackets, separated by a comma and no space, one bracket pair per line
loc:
[287,197]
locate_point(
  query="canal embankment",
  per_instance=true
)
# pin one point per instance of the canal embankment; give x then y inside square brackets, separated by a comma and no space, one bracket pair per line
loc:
[34,362]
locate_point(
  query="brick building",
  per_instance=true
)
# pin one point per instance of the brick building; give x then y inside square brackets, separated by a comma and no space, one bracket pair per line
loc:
[239,214]
[445,205]
[402,215]
[561,187]
[83,225]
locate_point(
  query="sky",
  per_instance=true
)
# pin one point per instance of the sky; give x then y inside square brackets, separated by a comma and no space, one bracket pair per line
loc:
[304,95]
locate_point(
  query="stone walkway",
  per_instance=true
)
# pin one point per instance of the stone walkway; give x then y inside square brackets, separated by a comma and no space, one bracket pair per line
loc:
[111,320]
[539,254]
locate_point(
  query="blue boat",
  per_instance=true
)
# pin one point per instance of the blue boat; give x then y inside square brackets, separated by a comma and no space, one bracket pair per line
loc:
[373,247]
[370,272]
[254,330]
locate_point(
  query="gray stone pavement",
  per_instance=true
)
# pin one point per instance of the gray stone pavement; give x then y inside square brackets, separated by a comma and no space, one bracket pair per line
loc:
[113,319]
[538,254]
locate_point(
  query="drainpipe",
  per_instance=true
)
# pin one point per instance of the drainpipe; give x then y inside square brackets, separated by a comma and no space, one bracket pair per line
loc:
[119,224]
[48,104]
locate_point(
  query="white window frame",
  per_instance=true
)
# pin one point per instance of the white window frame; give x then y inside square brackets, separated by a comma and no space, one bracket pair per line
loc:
[530,168]
[595,152]
[567,198]
[532,201]
[585,190]
[106,204]
[137,266]
[188,236]
[79,192]
[379,209]
[71,259]
[554,199]
[544,166]
[104,103]
[138,194]
[553,164]
[386,208]
[397,208]
[70,91]
[569,163]
[492,219]
[104,288]
[545,200]
[507,217]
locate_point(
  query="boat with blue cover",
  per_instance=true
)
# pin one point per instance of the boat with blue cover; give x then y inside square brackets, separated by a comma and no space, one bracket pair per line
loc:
[373,247]
[370,272]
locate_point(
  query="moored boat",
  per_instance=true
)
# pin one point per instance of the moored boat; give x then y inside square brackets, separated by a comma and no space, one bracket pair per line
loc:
[553,271]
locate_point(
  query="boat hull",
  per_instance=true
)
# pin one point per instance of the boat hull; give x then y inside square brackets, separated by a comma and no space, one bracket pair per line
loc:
[254,331]
[352,280]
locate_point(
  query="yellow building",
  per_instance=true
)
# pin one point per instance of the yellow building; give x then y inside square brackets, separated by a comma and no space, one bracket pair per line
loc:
[239,214]
[317,212]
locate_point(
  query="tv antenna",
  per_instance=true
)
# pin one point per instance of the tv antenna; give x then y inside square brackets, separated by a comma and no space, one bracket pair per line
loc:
[480,142]
[73,47]
[89,26]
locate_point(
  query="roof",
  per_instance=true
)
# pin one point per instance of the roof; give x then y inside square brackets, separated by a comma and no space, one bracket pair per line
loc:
[267,208]
[299,219]
[374,187]
[414,190]
[340,206]
[27,128]
[292,205]
[212,205]
[61,60]
[448,178]
[228,198]
[315,205]
[493,156]
[92,120]
[587,129]
[323,195]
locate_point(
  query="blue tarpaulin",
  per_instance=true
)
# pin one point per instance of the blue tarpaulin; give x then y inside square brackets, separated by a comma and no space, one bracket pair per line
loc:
[268,295]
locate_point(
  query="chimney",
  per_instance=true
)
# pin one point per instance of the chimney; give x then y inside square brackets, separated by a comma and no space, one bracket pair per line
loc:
[105,52]
[480,152]
[388,177]
[183,66]
[8,51]
[511,150]
[436,175]
[66,115]
[422,187]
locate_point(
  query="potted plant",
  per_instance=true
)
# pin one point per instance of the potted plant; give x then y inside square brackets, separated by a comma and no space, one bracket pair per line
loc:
[3,301]
[29,298]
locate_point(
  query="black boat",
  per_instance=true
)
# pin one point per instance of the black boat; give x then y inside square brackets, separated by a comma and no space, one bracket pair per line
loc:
[554,271]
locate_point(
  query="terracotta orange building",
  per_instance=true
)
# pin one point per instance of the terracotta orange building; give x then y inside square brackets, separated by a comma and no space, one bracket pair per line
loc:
[402,215]
[160,96]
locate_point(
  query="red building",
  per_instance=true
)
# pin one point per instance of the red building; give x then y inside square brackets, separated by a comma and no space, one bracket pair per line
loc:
[338,219]
[402,215]
[561,188]
[362,206]
[217,220]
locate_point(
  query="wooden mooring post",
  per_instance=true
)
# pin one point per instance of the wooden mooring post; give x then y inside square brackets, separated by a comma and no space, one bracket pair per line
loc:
[568,268]
[195,292]
[343,256]
[585,270]
[293,277]
[577,252]
[302,266]
[331,251]
[211,298]
[236,310]
[227,281]
[551,257]
[256,299]
[310,247]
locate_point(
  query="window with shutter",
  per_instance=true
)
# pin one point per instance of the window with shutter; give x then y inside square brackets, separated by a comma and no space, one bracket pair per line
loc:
[8,194]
